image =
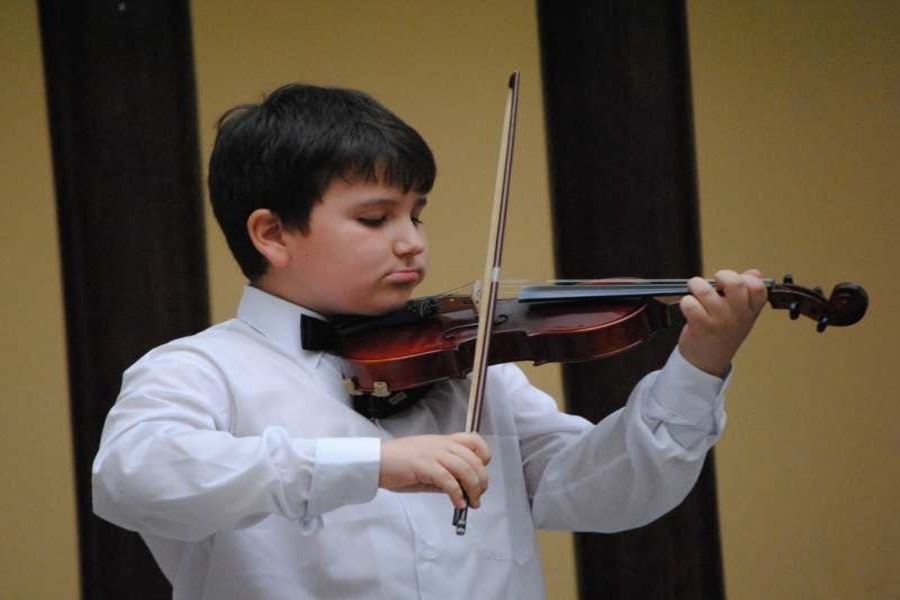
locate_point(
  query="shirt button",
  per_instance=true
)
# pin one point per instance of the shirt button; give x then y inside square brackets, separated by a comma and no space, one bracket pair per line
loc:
[428,552]
[310,525]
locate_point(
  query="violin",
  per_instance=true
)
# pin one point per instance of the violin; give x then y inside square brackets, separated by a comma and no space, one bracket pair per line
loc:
[433,339]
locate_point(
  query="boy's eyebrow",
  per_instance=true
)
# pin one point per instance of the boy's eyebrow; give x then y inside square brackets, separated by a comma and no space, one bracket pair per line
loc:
[420,202]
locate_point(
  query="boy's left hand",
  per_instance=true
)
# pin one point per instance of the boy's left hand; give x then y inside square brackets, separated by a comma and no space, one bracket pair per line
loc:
[717,322]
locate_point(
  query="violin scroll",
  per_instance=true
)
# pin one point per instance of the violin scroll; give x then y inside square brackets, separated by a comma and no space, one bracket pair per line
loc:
[846,305]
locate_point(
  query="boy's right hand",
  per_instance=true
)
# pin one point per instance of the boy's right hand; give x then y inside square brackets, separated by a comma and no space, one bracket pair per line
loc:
[437,463]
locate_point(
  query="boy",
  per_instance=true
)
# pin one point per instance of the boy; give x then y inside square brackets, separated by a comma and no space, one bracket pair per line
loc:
[236,453]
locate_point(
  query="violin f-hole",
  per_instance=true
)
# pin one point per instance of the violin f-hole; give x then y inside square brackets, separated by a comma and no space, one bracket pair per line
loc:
[450,333]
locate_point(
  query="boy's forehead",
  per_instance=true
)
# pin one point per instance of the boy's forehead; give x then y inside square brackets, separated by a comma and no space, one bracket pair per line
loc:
[366,190]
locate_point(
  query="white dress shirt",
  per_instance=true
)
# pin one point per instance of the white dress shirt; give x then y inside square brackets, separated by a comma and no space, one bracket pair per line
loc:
[237,456]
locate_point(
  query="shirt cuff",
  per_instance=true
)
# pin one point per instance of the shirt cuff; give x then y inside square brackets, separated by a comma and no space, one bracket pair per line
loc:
[687,399]
[346,472]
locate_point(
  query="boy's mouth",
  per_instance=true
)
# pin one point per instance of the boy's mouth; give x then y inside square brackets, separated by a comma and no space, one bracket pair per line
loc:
[404,276]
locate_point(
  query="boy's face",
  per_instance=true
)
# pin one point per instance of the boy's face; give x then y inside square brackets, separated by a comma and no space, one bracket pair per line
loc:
[364,252]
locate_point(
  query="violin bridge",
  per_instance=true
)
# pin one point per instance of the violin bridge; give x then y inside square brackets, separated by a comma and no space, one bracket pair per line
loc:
[476,295]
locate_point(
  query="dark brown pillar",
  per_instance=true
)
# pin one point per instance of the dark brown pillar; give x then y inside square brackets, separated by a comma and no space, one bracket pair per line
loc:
[619,126]
[121,101]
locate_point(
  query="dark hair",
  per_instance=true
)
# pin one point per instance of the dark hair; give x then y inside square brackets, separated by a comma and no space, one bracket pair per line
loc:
[282,153]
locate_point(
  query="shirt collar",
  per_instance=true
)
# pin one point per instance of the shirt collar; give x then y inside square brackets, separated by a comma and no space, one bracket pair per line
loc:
[275,318]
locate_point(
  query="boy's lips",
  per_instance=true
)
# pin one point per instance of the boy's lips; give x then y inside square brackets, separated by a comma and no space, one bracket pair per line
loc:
[404,276]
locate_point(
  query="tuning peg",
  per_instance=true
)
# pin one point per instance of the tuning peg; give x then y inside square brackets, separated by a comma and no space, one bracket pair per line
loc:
[819,291]
[788,279]
[822,324]
[794,310]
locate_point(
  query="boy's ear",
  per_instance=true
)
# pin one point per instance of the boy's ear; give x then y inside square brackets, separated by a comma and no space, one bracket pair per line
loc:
[267,233]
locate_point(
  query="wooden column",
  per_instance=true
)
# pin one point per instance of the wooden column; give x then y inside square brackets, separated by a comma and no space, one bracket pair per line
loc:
[620,134]
[121,101]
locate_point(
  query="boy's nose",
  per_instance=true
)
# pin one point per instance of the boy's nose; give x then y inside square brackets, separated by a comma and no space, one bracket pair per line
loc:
[410,242]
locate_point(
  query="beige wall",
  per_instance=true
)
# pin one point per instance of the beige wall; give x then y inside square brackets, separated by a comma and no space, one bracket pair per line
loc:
[37,500]
[796,114]
[797,108]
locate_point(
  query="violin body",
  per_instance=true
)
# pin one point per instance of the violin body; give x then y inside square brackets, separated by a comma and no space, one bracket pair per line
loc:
[443,346]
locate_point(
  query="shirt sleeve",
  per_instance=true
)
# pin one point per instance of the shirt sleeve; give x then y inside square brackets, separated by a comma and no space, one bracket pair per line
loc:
[630,468]
[168,465]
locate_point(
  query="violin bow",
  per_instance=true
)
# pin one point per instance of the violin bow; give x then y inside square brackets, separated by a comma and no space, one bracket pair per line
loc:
[486,296]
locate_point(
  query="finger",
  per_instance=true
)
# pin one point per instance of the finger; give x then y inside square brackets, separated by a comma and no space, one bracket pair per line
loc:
[729,280]
[734,288]
[442,479]
[757,292]
[475,443]
[466,476]
[704,295]
[746,289]
[702,290]
[693,311]
[474,463]
[420,487]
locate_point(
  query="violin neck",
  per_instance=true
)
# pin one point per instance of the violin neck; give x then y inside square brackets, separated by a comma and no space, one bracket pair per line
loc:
[644,288]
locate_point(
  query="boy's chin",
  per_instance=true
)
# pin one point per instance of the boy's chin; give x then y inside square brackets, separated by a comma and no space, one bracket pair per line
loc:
[387,305]
[390,307]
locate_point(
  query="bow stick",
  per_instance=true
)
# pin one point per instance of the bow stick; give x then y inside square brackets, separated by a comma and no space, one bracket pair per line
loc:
[486,296]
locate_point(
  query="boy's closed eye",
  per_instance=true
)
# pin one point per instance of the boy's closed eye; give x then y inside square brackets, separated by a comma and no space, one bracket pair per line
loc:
[377,221]
[372,221]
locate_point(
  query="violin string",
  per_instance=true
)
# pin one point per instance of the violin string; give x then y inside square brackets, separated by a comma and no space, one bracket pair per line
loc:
[515,286]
